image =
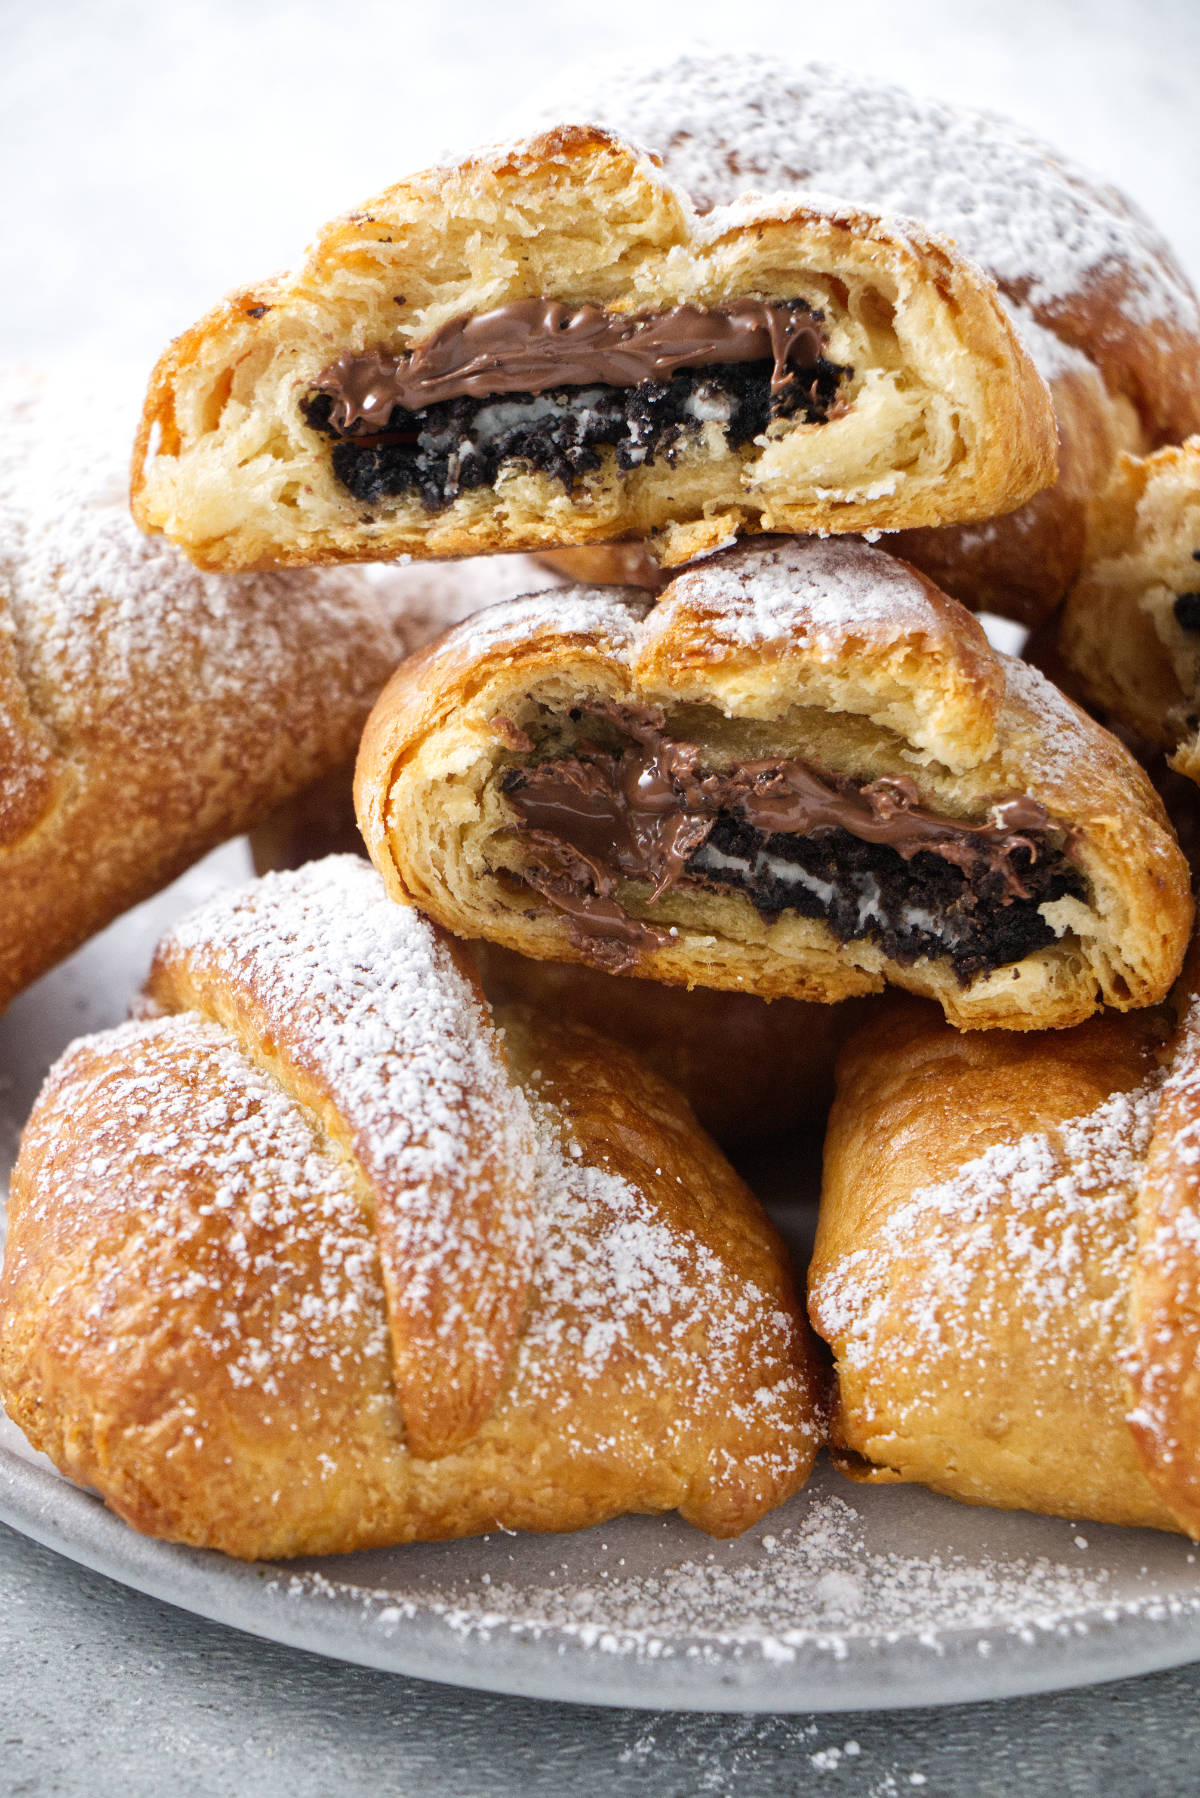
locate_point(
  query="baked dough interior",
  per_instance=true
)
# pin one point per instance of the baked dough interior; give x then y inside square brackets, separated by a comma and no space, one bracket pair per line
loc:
[631,821]
[549,387]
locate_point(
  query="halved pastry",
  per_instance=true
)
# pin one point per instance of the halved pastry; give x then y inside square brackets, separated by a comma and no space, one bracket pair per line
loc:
[318,1258]
[803,773]
[1006,1263]
[545,346]
[1093,289]
[1130,631]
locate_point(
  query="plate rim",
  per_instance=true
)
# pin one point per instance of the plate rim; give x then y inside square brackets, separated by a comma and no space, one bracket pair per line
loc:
[548,1663]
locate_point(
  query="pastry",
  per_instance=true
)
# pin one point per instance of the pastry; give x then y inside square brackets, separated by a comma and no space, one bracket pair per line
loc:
[147,712]
[425,598]
[803,773]
[544,346]
[752,1069]
[1005,1266]
[1093,290]
[1130,631]
[316,1259]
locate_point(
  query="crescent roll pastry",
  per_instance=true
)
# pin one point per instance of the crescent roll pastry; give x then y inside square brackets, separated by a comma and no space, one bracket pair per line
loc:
[147,712]
[1130,632]
[1092,288]
[318,1259]
[544,346]
[803,773]
[1006,1265]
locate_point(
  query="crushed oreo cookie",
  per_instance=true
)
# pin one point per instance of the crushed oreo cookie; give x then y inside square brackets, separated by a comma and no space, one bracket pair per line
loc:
[865,856]
[461,444]
[923,906]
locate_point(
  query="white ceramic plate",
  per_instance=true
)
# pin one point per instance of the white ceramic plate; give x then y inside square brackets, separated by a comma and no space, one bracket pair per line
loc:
[844,1599]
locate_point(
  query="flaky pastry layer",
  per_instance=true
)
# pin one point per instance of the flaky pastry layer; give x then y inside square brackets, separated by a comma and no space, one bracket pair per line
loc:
[940,415]
[1130,631]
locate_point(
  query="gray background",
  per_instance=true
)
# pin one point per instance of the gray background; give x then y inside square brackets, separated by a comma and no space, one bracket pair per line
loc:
[153,155]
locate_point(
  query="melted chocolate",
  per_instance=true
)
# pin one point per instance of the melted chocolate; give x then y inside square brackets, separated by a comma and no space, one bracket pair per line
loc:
[530,346]
[866,856]
[593,380]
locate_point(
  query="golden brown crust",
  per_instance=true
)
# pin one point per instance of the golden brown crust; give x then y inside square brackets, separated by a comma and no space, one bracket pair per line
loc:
[1007,1265]
[974,1258]
[751,1069]
[946,418]
[194,1318]
[833,652]
[1120,635]
[1021,566]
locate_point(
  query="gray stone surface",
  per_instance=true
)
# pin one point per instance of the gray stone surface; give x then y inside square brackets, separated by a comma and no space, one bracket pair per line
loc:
[108,1694]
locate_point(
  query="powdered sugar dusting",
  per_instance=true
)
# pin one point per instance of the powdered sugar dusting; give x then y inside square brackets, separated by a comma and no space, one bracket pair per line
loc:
[825,588]
[363,996]
[1038,1228]
[609,614]
[101,622]
[181,1096]
[620,1287]
[1039,225]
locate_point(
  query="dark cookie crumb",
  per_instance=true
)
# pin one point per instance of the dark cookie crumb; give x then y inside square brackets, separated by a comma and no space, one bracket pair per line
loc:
[434,452]
[971,924]
[1187,611]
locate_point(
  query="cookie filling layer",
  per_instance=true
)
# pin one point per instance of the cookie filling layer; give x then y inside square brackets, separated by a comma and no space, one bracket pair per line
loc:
[866,857]
[548,386]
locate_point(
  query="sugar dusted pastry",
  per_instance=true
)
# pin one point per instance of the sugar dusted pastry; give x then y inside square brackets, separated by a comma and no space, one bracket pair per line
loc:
[803,773]
[1094,291]
[147,711]
[316,1258]
[1130,632]
[1006,1268]
[545,346]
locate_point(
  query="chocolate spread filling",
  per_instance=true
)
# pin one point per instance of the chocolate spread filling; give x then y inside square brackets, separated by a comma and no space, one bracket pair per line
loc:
[547,385]
[865,856]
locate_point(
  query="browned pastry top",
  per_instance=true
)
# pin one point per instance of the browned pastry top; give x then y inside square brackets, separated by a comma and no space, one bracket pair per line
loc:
[1082,267]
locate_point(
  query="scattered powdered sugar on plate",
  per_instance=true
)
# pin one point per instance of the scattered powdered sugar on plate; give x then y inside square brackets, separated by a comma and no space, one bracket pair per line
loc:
[820,1583]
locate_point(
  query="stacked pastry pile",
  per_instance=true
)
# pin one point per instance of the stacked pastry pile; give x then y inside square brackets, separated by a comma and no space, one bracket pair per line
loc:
[326,1248]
